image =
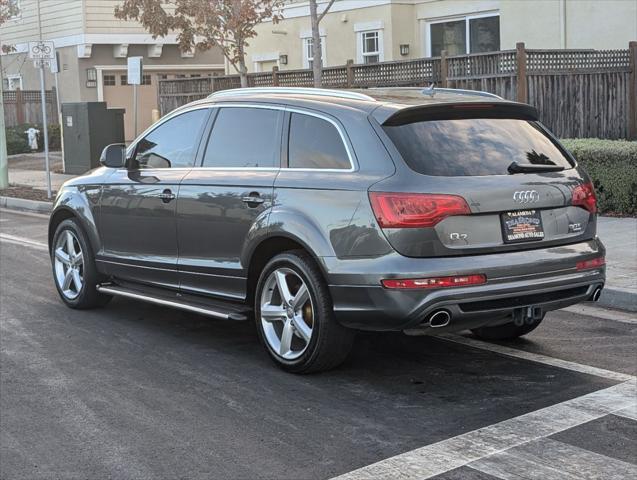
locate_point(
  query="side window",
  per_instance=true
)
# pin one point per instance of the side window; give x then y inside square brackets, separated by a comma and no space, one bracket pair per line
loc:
[173,144]
[245,137]
[315,143]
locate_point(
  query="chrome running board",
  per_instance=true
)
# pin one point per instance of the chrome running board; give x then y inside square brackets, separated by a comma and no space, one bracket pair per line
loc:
[229,312]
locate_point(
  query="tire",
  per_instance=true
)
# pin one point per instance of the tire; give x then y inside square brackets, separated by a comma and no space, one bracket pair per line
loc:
[329,342]
[86,296]
[507,331]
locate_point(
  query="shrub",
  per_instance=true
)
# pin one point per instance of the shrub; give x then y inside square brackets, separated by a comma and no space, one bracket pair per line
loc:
[612,165]
[17,140]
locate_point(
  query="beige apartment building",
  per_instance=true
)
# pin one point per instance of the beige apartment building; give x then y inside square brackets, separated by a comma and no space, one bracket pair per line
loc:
[368,31]
[93,46]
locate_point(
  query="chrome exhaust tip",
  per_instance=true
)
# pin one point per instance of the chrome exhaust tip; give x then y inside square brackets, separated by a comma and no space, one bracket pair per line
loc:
[438,319]
[596,294]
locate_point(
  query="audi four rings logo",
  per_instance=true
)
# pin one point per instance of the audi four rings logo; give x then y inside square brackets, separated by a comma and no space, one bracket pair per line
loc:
[526,196]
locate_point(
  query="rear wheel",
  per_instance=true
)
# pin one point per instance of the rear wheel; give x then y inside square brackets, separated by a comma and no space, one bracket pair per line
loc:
[507,331]
[74,268]
[295,318]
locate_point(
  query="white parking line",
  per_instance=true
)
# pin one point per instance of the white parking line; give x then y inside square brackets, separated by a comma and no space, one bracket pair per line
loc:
[606,314]
[461,450]
[548,459]
[23,241]
[536,357]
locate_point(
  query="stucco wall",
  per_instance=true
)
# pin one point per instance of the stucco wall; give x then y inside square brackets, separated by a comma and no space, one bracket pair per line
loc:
[598,24]
[284,38]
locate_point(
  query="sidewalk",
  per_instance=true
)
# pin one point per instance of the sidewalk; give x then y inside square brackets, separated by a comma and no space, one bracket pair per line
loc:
[28,169]
[619,235]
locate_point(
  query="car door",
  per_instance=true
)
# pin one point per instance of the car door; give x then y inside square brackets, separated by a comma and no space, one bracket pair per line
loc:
[226,199]
[137,207]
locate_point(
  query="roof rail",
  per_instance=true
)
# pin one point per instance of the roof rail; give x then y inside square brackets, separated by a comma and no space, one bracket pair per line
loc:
[460,91]
[319,92]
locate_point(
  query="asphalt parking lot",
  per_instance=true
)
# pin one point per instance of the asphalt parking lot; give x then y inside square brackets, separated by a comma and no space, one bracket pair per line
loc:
[136,391]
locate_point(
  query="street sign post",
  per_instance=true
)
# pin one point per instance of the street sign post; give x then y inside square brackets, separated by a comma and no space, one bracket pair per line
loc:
[42,53]
[134,78]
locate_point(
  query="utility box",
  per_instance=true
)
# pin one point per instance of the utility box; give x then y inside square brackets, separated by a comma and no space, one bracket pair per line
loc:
[87,127]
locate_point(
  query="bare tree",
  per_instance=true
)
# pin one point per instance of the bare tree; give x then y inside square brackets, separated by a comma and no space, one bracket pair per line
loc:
[317,48]
[204,24]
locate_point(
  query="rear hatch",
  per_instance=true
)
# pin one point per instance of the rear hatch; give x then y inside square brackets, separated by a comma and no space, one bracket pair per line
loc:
[479,178]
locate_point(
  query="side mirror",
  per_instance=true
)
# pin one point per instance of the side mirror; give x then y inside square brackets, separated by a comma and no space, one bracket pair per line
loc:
[114,155]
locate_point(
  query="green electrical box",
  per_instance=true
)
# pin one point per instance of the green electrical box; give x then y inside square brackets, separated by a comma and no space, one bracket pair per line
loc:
[88,127]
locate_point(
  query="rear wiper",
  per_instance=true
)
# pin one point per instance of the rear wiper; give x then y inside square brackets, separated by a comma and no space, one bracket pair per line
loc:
[516,167]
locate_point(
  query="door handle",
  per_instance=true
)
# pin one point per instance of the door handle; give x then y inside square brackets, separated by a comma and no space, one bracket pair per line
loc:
[167,195]
[253,199]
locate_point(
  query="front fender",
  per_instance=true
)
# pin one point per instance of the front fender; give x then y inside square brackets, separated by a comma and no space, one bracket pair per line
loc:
[81,202]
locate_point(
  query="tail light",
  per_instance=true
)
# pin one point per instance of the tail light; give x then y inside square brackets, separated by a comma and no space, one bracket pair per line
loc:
[435,282]
[590,264]
[415,210]
[584,196]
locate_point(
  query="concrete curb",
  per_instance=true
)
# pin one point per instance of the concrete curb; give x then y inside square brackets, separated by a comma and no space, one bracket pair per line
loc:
[25,205]
[618,298]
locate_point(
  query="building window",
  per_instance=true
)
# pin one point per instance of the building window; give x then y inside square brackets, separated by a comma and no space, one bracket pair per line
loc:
[370,46]
[91,78]
[13,9]
[123,80]
[471,34]
[146,80]
[163,76]
[12,82]
[308,52]
[180,75]
[195,75]
[109,80]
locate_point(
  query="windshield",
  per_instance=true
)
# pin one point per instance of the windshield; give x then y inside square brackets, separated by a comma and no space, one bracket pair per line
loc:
[476,146]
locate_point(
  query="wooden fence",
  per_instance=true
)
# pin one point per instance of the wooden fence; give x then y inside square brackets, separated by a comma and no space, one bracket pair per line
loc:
[25,106]
[579,93]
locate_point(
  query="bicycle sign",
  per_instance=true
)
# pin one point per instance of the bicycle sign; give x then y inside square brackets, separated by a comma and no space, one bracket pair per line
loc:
[41,50]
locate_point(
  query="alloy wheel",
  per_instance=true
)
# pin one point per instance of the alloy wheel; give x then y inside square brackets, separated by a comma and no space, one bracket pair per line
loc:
[287,313]
[69,264]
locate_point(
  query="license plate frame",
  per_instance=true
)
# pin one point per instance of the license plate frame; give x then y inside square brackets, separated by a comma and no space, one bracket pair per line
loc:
[522,226]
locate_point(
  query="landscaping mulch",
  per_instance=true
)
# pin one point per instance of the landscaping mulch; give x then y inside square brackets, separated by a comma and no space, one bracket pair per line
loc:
[30,161]
[28,193]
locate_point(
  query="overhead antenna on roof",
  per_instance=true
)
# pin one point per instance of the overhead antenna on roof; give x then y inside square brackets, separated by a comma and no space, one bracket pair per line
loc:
[429,91]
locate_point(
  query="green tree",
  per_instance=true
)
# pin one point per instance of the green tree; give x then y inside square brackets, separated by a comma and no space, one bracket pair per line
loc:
[204,24]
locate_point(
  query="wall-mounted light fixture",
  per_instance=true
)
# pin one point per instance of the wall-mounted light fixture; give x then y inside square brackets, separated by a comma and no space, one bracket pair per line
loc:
[404,49]
[283,59]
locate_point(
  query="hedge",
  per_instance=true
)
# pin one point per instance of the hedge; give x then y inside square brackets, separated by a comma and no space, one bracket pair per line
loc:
[17,140]
[612,165]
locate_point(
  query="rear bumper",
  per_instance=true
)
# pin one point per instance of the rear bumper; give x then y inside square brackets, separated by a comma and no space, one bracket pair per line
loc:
[545,278]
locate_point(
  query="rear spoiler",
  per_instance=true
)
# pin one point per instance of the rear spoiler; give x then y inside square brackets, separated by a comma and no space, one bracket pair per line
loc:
[454,111]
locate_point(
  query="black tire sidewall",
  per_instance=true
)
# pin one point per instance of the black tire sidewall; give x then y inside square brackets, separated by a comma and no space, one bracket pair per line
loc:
[507,331]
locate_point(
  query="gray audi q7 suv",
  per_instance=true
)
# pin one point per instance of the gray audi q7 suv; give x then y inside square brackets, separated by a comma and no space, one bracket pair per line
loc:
[320,212]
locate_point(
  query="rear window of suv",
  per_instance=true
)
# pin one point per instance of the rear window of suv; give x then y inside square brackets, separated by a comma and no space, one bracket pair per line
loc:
[473,147]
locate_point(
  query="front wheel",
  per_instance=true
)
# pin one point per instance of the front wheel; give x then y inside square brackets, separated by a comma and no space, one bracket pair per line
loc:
[507,331]
[295,318]
[74,270]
